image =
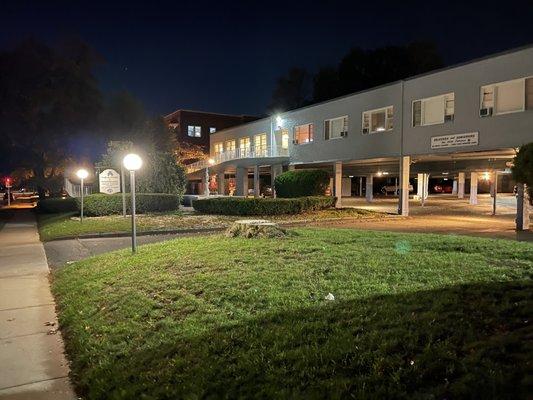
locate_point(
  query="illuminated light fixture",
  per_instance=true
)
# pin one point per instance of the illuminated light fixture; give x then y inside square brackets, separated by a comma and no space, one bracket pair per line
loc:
[211,161]
[279,120]
[133,162]
[486,176]
[82,173]
[445,179]
[445,173]
[379,173]
[380,129]
[350,176]
[385,173]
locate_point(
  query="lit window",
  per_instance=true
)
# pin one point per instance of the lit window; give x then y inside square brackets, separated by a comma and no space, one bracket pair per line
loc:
[506,97]
[244,146]
[230,146]
[212,130]
[285,139]
[434,110]
[219,148]
[335,128]
[379,120]
[303,133]
[260,145]
[194,131]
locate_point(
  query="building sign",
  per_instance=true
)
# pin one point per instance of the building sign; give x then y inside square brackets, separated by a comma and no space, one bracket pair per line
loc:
[109,181]
[460,139]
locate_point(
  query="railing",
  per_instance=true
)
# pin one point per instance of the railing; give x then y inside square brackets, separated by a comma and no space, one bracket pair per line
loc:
[74,189]
[258,152]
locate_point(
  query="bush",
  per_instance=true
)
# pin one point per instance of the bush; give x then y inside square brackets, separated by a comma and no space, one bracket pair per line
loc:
[57,205]
[244,206]
[307,182]
[103,204]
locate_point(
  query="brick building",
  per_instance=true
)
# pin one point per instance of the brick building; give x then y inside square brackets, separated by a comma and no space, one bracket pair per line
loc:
[194,127]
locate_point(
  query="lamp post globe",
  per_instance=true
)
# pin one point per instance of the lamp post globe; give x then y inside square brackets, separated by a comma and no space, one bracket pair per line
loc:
[82,174]
[133,162]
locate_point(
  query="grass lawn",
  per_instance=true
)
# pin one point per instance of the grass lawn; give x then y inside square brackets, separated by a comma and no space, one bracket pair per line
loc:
[52,226]
[415,316]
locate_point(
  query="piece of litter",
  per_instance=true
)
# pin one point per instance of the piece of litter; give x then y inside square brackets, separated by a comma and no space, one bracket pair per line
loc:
[330,297]
[412,362]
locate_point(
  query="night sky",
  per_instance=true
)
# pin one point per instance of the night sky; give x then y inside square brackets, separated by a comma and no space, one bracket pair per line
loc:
[226,56]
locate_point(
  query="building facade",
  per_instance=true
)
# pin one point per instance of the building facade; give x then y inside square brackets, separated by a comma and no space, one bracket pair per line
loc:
[195,127]
[457,122]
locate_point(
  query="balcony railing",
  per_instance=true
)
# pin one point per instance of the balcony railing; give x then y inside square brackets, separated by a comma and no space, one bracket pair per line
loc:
[257,152]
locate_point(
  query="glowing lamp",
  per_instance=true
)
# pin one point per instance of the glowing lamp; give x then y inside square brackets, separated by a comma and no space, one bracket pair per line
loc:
[82,173]
[132,162]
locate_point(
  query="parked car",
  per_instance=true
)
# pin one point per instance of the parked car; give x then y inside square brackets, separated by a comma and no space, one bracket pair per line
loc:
[442,189]
[393,189]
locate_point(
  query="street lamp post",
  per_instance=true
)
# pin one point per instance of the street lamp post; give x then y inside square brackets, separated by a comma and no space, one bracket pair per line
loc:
[133,162]
[82,174]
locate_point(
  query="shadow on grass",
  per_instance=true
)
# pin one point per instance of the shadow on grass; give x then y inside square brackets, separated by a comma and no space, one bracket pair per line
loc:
[469,341]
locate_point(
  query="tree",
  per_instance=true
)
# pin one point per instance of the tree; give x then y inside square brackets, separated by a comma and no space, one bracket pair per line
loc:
[47,95]
[292,91]
[522,169]
[161,174]
[362,69]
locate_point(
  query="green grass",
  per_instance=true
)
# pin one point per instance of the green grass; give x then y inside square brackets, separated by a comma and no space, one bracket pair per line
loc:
[53,226]
[414,316]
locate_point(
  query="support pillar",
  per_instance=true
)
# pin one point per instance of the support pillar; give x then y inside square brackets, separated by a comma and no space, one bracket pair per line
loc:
[454,187]
[369,188]
[403,203]
[473,188]
[257,189]
[205,182]
[494,190]
[422,187]
[337,167]
[522,208]
[461,185]
[360,186]
[275,170]
[241,181]
[221,184]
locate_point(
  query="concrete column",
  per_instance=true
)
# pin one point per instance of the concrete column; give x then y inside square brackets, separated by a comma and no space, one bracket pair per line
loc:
[454,187]
[338,183]
[473,188]
[221,184]
[275,170]
[241,181]
[257,188]
[360,186]
[522,208]
[494,190]
[403,203]
[461,185]
[369,188]
[205,182]
[419,185]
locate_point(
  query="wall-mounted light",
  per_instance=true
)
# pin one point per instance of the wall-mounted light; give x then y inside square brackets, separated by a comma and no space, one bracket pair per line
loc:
[486,176]
[279,121]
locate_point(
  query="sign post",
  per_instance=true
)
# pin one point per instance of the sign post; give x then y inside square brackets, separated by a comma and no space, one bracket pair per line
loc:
[109,181]
[8,187]
[123,183]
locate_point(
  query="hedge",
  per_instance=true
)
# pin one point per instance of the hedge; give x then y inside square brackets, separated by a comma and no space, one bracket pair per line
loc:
[300,183]
[268,206]
[57,205]
[103,204]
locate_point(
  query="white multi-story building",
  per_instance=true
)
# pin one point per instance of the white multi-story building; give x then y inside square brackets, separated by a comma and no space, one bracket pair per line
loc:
[458,121]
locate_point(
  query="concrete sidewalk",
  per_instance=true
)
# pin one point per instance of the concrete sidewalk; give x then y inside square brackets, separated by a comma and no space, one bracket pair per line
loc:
[32,363]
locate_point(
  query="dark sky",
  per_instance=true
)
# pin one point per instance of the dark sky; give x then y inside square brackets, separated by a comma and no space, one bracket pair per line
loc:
[226,56]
